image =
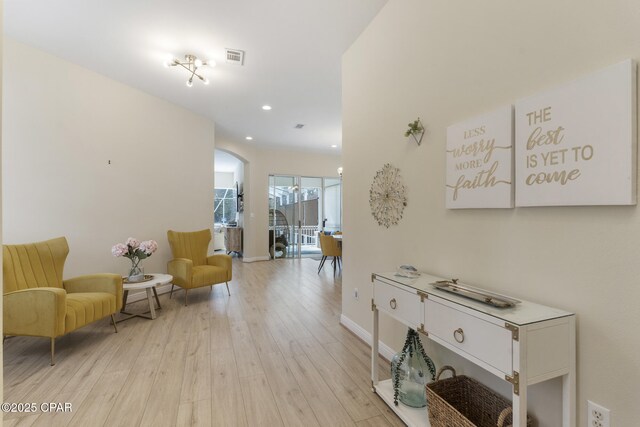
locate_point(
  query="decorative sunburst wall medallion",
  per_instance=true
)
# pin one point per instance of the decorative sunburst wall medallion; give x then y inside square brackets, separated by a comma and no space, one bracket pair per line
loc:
[387,196]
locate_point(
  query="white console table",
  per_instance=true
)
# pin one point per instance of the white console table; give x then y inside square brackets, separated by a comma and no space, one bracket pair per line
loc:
[523,345]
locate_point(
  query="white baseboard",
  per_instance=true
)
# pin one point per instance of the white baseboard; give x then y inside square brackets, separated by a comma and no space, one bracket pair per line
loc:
[256,258]
[384,350]
[140,295]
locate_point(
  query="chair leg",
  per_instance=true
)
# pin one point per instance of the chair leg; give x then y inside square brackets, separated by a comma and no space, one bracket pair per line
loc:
[171,293]
[210,288]
[186,294]
[334,266]
[53,351]
[113,320]
[324,258]
[227,283]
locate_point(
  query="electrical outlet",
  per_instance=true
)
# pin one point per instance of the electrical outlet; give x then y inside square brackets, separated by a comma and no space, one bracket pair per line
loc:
[355,293]
[598,416]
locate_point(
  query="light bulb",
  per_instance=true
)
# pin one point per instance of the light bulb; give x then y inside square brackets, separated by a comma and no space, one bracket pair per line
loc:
[211,63]
[205,81]
[266,107]
[197,62]
[189,83]
[167,63]
[249,138]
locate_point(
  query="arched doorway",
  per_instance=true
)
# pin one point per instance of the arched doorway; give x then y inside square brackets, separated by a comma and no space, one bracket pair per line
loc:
[228,204]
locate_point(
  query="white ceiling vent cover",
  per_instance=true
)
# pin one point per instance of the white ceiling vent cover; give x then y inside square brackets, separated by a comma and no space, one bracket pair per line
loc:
[235,56]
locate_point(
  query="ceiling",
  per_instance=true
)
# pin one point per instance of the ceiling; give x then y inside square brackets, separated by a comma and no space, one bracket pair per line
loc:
[292,61]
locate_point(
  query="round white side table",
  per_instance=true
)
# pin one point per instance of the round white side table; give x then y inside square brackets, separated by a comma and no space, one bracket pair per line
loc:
[149,286]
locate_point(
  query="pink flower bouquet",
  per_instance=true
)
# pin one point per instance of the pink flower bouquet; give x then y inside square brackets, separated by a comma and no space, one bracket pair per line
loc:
[136,251]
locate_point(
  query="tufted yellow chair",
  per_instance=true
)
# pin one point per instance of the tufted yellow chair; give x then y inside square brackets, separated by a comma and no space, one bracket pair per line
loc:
[191,267]
[39,303]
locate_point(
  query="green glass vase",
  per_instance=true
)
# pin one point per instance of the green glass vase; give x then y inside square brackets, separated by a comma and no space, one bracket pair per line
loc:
[411,370]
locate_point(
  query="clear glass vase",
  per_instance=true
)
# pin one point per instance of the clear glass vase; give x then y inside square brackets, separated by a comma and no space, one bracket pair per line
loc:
[411,370]
[136,274]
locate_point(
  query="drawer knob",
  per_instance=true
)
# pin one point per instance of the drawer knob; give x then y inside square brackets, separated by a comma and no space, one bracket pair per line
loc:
[458,335]
[393,304]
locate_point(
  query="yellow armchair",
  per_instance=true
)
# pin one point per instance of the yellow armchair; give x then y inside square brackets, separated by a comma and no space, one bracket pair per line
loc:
[330,248]
[38,303]
[191,267]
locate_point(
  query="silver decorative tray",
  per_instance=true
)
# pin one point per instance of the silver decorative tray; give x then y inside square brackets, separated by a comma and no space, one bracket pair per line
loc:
[477,294]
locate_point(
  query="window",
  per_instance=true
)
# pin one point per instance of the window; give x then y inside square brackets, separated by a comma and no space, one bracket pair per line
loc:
[224,204]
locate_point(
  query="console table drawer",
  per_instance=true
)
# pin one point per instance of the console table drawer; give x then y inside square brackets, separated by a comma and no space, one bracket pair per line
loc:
[399,303]
[488,342]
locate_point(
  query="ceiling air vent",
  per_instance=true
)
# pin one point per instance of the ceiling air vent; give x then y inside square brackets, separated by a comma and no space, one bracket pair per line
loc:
[299,126]
[235,56]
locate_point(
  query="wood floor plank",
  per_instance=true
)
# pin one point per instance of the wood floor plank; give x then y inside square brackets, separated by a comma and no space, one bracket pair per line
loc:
[378,421]
[97,361]
[227,402]
[323,402]
[245,350]
[27,421]
[220,334]
[260,405]
[352,398]
[194,414]
[162,406]
[196,384]
[294,408]
[96,406]
[62,419]
[132,399]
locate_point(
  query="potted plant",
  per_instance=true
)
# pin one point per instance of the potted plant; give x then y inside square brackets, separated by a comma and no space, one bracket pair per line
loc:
[416,130]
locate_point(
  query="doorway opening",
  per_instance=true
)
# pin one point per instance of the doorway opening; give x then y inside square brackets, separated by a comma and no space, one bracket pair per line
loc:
[301,207]
[228,210]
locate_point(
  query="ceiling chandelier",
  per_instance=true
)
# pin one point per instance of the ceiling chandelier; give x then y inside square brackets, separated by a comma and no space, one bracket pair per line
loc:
[191,63]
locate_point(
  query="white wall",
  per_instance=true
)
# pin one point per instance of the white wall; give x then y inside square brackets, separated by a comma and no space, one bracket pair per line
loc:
[449,60]
[225,180]
[258,164]
[63,124]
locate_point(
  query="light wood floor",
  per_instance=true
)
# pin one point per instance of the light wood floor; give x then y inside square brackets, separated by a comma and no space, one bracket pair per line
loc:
[273,353]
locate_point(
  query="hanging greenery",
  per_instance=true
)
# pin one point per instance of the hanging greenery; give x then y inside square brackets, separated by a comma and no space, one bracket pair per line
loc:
[416,130]
[412,341]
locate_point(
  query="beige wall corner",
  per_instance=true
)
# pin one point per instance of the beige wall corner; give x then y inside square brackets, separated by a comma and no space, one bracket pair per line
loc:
[446,61]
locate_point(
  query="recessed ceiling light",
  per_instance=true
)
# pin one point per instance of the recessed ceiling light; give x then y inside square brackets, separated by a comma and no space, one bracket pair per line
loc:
[334,146]
[266,107]
[249,138]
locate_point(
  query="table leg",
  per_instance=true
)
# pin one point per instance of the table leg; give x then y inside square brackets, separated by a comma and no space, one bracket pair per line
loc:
[374,348]
[155,292]
[152,308]
[520,366]
[124,301]
[569,381]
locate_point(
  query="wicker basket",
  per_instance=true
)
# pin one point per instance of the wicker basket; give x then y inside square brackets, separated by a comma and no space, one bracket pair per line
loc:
[464,402]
